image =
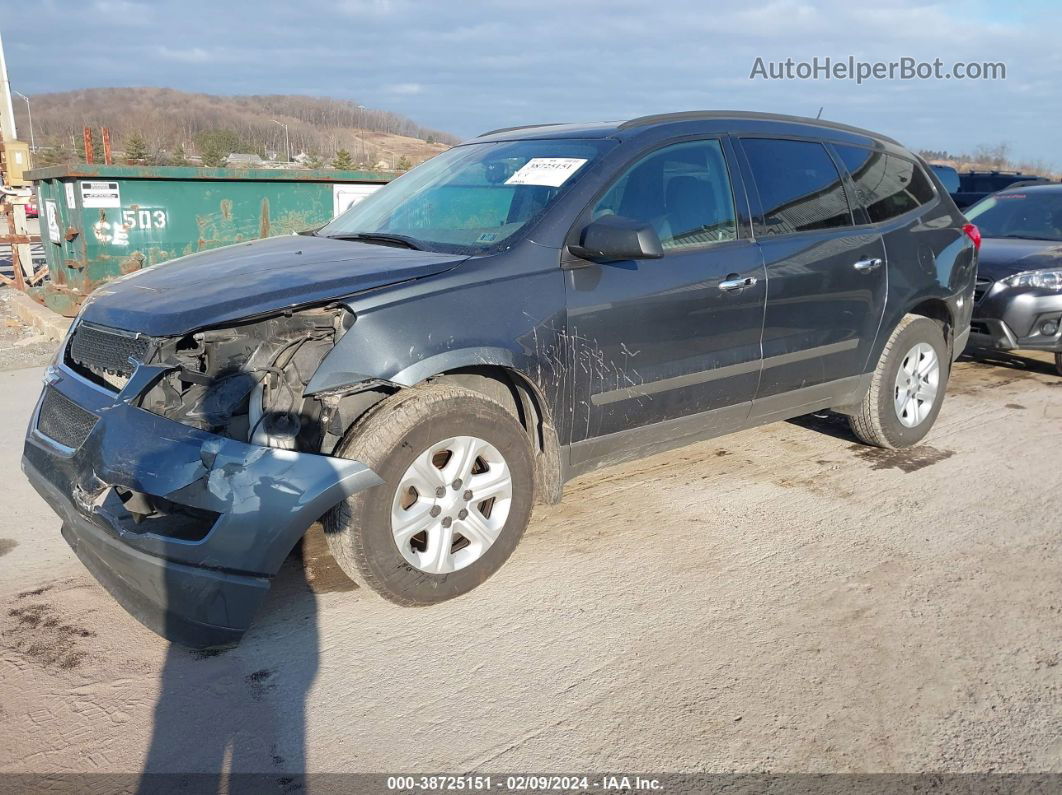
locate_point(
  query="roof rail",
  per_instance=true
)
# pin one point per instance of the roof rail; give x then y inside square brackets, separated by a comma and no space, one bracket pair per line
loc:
[519,127]
[699,115]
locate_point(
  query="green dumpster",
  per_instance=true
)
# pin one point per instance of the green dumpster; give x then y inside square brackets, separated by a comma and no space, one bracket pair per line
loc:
[99,222]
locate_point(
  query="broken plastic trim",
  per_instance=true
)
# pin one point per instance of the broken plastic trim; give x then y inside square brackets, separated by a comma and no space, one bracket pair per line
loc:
[247,382]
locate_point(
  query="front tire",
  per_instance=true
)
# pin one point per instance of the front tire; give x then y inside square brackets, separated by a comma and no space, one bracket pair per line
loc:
[457,495]
[907,386]
[1058,363]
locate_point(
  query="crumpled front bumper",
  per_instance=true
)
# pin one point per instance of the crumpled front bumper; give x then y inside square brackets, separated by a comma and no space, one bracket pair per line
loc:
[196,581]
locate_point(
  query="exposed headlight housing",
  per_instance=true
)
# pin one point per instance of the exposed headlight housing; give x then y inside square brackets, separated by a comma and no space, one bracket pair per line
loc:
[1044,280]
[246,382]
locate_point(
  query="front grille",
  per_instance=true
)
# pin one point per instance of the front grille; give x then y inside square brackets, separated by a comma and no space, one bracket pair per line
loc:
[63,420]
[104,354]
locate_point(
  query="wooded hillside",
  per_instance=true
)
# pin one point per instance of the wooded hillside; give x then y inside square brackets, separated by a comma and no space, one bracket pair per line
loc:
[163,125]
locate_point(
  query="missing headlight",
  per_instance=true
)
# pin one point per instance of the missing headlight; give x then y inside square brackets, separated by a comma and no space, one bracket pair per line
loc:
[246,382]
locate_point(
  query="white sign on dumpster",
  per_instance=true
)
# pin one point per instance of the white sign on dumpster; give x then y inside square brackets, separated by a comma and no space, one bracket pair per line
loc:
[100,194]
[346,196]
[52,216]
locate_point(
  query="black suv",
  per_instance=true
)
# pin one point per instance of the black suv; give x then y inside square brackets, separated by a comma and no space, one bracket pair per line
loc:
[975,185]
[520,309]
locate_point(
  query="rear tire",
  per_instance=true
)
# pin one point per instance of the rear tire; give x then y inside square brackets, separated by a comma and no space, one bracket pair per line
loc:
[424,535]
[907,386]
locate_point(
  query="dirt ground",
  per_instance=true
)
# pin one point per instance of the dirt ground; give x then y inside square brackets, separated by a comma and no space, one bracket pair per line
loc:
[778,600]
[20,345]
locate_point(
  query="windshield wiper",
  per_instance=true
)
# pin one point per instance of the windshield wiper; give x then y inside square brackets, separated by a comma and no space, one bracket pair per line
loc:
[379,238]
[1030,237]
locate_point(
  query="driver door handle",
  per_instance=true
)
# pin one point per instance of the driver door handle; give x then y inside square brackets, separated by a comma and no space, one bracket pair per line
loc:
[865,265]
[729,285]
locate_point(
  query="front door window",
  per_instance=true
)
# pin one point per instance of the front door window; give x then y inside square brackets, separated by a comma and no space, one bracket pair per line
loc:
[682,191]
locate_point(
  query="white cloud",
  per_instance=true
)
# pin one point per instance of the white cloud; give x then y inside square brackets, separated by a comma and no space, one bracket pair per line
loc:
[407,89]
[370,8]
[186,54]
[123,12]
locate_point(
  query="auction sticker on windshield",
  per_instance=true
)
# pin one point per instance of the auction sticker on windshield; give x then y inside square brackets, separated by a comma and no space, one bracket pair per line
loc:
[547,171]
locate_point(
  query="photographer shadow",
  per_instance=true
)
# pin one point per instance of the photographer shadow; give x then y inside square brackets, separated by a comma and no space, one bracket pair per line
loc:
[234,720]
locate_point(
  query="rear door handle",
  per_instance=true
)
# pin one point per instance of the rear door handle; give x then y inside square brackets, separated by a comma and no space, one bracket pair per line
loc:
[868,264]
[730,285]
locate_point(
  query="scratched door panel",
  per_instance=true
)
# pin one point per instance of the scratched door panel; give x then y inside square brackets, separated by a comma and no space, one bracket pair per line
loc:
[658,339]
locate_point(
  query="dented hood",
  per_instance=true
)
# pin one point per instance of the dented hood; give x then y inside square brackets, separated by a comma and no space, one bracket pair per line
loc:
[228,284]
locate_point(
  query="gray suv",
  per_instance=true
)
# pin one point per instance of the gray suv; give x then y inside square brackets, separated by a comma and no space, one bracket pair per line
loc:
[523,308]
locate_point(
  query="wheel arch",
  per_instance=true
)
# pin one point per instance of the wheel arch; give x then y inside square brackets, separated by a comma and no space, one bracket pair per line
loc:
[490,372]
[518,393]
[932,307]
[936,309]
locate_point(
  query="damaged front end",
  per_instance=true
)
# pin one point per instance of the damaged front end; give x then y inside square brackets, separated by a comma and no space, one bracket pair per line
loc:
[246,382]
[185,469]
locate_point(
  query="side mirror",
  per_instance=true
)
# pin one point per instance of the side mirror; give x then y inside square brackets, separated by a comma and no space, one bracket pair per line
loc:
[615,238]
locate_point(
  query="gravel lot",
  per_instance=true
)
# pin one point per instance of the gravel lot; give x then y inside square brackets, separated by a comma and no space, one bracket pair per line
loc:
[782,599]
[20,346]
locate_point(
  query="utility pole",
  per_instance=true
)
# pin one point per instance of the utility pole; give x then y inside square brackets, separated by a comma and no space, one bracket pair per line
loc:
[287,146]
[7,112]
[14,205]
[29,115]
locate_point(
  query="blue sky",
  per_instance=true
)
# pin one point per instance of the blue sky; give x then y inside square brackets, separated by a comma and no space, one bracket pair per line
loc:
[470,65]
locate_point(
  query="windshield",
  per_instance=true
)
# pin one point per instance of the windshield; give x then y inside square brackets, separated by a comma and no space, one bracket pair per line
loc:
[469,199]
[1035,215]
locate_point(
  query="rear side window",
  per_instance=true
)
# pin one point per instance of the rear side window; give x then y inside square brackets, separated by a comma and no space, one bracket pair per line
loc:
[886,185]
[799,185]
